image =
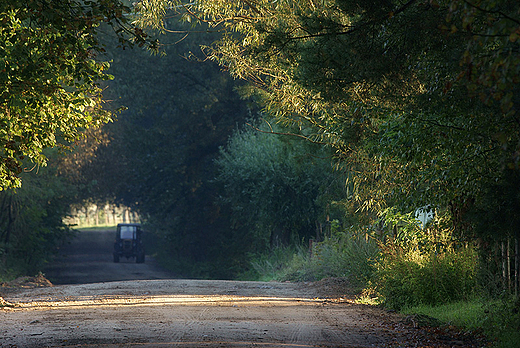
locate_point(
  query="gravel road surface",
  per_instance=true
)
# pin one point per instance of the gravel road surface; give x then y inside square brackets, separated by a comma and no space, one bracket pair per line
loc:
[96,303]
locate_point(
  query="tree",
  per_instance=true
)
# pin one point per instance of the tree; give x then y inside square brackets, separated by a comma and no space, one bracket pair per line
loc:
[279,187]
[31,227]
[419,97]
[50,75]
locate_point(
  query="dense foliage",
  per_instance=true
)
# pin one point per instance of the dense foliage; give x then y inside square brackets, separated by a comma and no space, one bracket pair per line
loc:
[280,187]
[419,96]
[50,75]
[31,227]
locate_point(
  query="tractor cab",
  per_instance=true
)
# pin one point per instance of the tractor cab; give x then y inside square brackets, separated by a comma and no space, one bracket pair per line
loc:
[128,242]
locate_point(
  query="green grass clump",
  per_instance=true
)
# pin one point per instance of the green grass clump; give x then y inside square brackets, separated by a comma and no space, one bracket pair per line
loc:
[498,320]
[272,265]
[468,314]
[342,256]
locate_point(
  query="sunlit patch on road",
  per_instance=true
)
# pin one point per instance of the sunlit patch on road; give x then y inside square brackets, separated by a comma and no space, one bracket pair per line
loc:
[164,300]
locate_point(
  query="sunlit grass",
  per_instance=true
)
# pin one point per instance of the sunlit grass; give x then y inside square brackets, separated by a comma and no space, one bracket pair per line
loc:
[369,296]
[96,228]
[467,314]
[491,317]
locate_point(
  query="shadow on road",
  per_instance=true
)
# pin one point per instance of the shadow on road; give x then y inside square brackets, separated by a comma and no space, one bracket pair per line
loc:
[88,259]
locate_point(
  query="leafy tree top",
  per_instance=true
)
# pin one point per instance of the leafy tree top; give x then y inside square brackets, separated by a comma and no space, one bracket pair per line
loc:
[50,75]
[419,96]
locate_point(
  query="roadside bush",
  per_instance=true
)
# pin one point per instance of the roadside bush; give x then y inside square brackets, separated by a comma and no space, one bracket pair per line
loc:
[423,265]
[412,278]
[343,254]
[271,266]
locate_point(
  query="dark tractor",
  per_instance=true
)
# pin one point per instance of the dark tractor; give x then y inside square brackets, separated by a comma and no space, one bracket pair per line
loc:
[129,242]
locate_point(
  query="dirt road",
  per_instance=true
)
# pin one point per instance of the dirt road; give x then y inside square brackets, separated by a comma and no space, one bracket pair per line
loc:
[88,259]
[95,310]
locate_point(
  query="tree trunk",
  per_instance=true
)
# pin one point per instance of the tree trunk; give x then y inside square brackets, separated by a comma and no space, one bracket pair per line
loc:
[508,258]
[517,266]
[87,216]
[96,214]
[10,222]
[107,220]
[504,272]
[9,228]
[311,247]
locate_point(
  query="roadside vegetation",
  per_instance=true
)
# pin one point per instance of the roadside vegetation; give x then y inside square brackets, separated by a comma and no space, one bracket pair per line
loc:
[447,287]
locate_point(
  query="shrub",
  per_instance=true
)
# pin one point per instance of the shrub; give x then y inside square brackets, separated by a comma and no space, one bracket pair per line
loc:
[414,278]
[342,255]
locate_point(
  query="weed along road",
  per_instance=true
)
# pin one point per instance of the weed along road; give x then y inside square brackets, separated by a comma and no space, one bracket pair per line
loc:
[101,304]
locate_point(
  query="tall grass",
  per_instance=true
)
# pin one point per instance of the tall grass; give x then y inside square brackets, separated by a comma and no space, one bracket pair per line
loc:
[341,255]
[413,278]
[415,271]
[272,265]
[423,265]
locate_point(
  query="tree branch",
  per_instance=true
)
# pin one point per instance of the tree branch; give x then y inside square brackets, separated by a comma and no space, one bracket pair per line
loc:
[356,28]
[248,3]
[283,133]
[494,12]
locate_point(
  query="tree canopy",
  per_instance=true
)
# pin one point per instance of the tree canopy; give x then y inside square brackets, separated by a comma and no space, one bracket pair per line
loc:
[50,75]
[419,97]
